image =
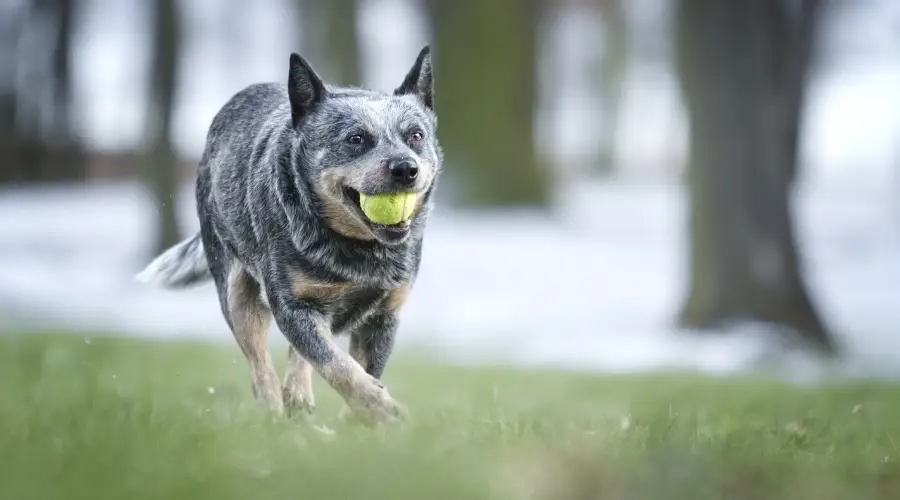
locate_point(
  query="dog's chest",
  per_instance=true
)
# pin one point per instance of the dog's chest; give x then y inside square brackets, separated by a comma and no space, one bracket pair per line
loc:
[351,308]
[349,304]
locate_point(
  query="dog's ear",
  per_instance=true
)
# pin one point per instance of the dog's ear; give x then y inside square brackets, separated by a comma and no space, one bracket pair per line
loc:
[305,88]
[420,79]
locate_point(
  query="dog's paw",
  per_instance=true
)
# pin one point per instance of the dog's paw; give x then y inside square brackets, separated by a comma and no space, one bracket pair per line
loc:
[268,398]
[373,417]
[395,411]
[346,414]
[299,404]
[373,405]
[384,410]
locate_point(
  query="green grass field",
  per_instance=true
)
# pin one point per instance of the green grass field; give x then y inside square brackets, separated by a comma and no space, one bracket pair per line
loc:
[125,419]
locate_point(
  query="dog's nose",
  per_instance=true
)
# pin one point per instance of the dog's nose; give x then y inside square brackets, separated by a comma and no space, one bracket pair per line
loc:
[404,171]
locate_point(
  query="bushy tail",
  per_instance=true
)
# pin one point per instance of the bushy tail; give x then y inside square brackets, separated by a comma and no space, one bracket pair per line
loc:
[181,266]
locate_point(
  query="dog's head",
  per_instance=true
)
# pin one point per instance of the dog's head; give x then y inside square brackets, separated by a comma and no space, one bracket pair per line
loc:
[359,141]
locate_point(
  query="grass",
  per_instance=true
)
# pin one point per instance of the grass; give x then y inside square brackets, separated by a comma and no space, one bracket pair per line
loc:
[116,419]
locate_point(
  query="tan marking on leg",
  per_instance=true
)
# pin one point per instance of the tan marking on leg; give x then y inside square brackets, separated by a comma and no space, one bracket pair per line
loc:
[355,349]
[250,319]
[346,413]
[305,287]
[297,389]
[397,297]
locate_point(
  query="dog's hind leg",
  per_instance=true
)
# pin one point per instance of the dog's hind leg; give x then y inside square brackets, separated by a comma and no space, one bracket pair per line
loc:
[297,389]
[250,319]
[240,300]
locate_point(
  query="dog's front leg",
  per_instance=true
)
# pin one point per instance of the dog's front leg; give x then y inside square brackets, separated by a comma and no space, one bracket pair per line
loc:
[304,324]
[372,342]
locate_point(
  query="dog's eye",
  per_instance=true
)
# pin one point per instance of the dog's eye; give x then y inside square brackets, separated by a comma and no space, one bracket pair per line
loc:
[355,139]
[415,136]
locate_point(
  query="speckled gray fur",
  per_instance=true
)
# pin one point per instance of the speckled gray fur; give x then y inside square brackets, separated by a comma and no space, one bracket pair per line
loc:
[278,160]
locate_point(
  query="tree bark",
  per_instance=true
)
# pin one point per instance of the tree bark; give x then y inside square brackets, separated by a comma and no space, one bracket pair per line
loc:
[330,39]
[10,29]
[485,71]
[612,66]
[66,158]
[162,171]
[800,39]
[62,72]
[740,92]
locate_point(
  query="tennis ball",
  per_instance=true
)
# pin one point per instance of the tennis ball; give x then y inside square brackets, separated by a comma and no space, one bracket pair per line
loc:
[388,208]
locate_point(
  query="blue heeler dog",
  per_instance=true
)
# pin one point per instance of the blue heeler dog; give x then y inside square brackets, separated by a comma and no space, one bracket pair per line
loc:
[282,233]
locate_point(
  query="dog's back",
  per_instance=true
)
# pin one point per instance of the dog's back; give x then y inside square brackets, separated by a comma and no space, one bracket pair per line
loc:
[238,135]
[256,111]
[234,176]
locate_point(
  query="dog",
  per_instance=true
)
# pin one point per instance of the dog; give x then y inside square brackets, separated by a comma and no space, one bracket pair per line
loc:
[282,233]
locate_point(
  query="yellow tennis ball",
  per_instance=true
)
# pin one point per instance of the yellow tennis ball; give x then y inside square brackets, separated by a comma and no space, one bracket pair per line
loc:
[388,208]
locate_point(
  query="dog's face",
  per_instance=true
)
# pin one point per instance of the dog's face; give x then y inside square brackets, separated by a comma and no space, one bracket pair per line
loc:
[359,141]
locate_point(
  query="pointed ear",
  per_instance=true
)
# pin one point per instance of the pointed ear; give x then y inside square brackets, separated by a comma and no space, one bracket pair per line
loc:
[305,88]
[420,79]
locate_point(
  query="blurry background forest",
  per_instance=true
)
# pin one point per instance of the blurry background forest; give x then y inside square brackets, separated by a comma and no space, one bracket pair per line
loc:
[629,184]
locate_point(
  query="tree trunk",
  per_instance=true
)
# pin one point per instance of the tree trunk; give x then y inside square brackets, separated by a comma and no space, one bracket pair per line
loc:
[66,158]
[800,36]
[736,81]
[62,72]
[612,66]
[10,29]
[162,171]
[485,71]
[39,147]
[330,39]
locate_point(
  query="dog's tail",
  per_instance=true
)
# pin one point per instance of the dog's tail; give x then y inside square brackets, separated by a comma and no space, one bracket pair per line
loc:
[180,266]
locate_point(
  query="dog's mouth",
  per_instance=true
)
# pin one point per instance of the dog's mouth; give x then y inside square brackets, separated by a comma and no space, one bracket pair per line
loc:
[387,233]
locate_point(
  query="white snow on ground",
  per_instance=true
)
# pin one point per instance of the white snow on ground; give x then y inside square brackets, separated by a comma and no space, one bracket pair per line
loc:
[593,287]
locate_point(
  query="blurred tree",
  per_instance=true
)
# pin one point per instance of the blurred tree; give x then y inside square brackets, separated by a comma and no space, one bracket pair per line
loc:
[60,125]
[612,79]
[485,72]
[330,39]
[742,67]
[39,143]
[162,166]
[67,156]
[796,34]
[10,27]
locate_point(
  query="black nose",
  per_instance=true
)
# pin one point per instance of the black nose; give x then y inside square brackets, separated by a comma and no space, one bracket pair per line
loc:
[404,171]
